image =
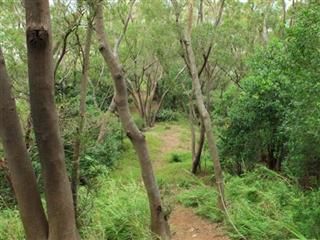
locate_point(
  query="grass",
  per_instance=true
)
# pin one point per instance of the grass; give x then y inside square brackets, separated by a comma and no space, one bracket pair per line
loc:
[10,225]
[119,212]
[262,204]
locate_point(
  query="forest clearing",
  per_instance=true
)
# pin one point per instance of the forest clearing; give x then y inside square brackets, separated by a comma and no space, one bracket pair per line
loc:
[159,119]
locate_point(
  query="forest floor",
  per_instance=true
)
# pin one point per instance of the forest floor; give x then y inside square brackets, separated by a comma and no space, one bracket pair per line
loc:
[166,140]
[185,224]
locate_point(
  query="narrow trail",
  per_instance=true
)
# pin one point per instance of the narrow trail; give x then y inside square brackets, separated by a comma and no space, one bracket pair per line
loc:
[185,224]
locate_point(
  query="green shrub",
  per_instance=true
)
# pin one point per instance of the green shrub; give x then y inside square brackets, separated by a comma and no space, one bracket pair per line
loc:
[7,199]
[176,157]
[10,225]
[97,158]
[139,121]
[167,115]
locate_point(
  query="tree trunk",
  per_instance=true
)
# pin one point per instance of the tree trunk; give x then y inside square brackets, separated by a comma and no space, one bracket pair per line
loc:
[203,110]
[284,13]
[21,173]
[265,34]
[82,113]
[159,224]
[193,132]
[200,12]
[58,194]
[197,157]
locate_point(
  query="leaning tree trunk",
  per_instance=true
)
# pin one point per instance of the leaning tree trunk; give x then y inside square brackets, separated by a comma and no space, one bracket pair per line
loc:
[197,157]
[45,121]
[82,113]
[159,224]
[22,175]
[205,116]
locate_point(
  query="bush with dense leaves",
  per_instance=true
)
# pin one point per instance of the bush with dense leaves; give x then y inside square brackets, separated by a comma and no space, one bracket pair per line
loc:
[167,115]
[275,118]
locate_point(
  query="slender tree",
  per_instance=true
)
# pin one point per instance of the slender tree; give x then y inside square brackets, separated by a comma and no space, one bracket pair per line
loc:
[58,194]
[21,173]
[159,224]
[82,113]
[112,106]
[196,85]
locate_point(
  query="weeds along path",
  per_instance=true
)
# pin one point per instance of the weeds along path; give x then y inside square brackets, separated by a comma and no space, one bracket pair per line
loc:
[185,224]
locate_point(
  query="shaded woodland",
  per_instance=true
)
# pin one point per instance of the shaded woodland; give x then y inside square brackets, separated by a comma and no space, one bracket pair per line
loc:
[159,119]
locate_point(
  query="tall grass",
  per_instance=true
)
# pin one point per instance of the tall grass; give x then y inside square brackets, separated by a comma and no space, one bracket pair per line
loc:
[262,205]
[119,212]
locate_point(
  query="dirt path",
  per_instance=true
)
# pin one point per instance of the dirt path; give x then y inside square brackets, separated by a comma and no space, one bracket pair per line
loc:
[185,224]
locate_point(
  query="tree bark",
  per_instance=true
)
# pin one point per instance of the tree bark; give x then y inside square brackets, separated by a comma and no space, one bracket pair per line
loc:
[205,116]
[82,113]
[159,224]
[193,132]
[58,194]
[21,173]
[197,157]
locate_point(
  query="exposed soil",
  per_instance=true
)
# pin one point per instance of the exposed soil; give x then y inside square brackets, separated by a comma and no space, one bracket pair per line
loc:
[185,224]
[172,140]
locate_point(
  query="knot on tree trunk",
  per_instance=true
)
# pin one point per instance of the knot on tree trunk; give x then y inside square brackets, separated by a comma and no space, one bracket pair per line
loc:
[101,48]
[159,209]
[37,37]
[129,135]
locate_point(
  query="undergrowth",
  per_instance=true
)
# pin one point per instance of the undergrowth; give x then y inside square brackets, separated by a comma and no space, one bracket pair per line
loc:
[262,205]
[119,212]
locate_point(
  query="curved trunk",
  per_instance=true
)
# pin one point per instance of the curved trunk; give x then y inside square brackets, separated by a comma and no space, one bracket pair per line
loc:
[159,224]
[205,116]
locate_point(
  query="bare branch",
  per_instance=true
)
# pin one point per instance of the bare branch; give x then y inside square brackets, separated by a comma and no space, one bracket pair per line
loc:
[125,27]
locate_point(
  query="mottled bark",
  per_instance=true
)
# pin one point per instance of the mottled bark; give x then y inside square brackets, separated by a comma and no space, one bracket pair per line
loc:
[112,106]
[22,175]
[45,121]
[159,224]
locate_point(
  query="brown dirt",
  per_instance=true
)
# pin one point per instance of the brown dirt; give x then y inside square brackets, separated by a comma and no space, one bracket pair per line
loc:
[184,223]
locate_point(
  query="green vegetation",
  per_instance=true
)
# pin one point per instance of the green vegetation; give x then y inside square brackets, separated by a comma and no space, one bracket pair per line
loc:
[259,71]
[117,211]
[261,200]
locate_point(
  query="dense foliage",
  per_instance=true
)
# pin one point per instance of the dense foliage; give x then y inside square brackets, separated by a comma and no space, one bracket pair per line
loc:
[275,117]
[259,69]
